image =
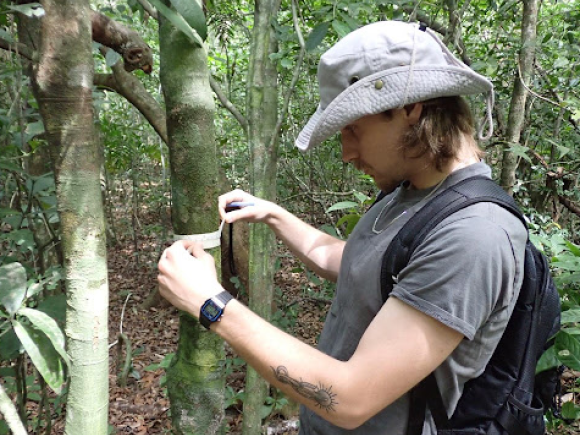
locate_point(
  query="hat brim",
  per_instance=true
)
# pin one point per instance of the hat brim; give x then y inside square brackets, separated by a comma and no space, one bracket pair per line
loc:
[386,90]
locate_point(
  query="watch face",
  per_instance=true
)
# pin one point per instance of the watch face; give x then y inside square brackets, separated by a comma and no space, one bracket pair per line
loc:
[211,311]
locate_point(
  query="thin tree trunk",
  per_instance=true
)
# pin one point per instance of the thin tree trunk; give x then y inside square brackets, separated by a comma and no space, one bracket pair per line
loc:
[196,379]
[63,87]
[516,115]
[262,116]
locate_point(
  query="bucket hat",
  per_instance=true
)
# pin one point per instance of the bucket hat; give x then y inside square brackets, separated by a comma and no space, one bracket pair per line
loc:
[382,66]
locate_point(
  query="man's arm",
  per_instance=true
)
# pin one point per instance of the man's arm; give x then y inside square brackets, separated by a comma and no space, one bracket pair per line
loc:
[400,347]
[320,252]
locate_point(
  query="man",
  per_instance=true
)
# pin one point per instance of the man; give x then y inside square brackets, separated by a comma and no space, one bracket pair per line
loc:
[391,89]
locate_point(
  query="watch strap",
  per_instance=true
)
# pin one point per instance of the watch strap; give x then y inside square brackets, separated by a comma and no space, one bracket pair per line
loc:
[221,300]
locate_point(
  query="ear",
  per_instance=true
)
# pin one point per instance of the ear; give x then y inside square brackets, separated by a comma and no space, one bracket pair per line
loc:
[413,112]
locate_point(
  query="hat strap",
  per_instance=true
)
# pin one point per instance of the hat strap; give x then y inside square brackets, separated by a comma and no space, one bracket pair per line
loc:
[489,100]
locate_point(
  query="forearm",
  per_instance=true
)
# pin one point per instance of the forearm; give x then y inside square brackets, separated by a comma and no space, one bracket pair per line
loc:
[322,384]
[321,252]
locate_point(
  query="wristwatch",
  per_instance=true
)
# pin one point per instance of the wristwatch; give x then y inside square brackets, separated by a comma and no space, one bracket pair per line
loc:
[212,309]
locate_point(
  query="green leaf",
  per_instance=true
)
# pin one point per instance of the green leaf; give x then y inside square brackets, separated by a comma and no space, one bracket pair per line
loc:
[11,167]
[30,10]
[8,212]
[520,151]
[570,411]
[343,205]
[192,12]
[571,316]
[574,249]
[10,346]
[42,353]
[568,350]
[179,22]
[316,36]
[35,128]
[12,286]
[351,22]
[44,183]
[548,360]
[341,28]
[55,307]
[49,327]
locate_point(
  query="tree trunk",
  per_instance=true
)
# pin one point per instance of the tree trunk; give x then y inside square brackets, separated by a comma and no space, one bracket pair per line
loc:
[63,87]
[262,115]
[516,115]
[196,379]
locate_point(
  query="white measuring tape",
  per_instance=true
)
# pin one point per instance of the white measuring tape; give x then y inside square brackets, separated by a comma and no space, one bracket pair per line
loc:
[208,240]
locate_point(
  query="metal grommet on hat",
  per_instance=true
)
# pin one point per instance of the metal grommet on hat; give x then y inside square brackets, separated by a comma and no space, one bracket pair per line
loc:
[353,80]
[379,85]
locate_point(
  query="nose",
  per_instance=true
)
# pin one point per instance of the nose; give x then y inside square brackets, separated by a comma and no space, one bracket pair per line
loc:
[348,149]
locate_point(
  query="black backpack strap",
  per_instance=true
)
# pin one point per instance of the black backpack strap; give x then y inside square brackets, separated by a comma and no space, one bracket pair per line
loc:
[463,194]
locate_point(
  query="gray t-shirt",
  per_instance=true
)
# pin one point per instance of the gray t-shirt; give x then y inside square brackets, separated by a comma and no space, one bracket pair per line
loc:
[466,274]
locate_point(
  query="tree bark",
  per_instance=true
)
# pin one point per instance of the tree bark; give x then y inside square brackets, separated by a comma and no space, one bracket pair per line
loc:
[196,379]
[516,115]
[262,115]
[63,81]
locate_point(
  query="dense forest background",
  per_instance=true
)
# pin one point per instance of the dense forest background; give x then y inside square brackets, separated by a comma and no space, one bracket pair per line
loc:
[121,122]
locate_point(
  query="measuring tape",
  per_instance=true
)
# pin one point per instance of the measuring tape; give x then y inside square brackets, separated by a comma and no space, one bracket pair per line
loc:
[207,240]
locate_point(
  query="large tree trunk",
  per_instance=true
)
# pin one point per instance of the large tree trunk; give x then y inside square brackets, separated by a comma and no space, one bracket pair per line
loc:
[516,115]
[262,115]
[195,380]
[63,87]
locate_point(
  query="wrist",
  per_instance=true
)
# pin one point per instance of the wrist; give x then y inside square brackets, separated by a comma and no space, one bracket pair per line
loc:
[212,309]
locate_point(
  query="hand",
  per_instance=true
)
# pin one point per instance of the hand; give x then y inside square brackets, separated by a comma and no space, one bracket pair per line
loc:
[187,276]
[261,211]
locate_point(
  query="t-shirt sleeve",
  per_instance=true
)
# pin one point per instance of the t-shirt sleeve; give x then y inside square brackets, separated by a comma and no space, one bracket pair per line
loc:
[464,271]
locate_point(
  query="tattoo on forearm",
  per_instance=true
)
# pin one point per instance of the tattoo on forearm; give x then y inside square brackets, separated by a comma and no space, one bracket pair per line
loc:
[323,396]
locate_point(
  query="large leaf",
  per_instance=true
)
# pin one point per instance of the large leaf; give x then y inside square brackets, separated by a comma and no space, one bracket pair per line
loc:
[548,360]
[316,36]
[55,307]
[178,21]
[12,286]
[48,325]
[343,205]
[571,316]
[192,12]
[568,350]
[42,353]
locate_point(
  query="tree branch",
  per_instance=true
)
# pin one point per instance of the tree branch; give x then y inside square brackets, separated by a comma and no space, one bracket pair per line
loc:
[17,48]
[228,105]
[125,41]
[132,89]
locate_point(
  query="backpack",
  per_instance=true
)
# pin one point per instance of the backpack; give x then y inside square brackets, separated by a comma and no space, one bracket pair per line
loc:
[508,398]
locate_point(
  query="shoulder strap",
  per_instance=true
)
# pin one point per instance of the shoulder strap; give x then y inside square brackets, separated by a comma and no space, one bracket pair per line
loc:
[463,194]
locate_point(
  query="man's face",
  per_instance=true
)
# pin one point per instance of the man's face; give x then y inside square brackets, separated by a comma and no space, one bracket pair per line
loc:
[373,144]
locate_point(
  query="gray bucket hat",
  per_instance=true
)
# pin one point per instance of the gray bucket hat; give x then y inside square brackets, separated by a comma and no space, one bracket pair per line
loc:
[382,66]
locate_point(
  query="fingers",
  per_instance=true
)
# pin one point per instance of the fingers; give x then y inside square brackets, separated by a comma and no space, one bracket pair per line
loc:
[233,196]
